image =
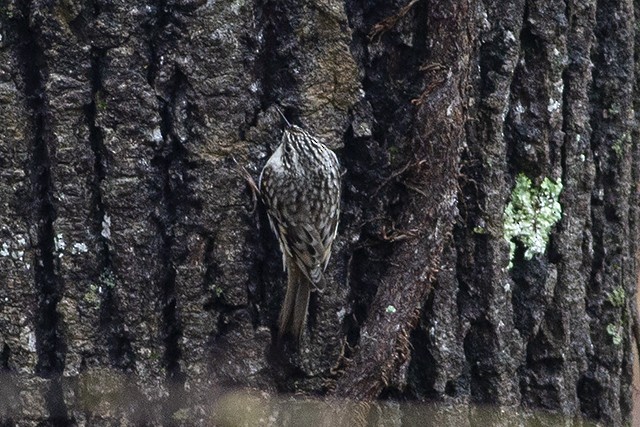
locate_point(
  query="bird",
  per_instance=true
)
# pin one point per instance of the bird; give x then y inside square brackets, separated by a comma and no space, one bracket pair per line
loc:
[300,186]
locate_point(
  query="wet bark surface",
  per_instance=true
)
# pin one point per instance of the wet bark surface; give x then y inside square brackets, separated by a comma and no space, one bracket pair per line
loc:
[140,282]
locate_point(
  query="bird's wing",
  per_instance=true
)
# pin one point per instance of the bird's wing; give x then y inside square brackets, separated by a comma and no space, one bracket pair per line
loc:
[329,233]
[304,245]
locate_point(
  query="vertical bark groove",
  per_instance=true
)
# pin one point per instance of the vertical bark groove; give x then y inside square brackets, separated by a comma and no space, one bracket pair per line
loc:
[50,348]
[98,149]
[169,162]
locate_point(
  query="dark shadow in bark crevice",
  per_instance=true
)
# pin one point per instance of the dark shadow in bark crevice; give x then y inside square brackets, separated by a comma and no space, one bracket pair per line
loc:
[169,162]
[49,344]
[276,58]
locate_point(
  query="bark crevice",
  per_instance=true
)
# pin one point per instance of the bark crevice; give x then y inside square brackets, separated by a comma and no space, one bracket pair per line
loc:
[50,345]
[99,153]
[33,63]
[169,161]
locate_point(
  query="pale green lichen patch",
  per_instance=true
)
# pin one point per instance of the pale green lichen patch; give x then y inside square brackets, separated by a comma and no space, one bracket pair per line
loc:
[615,332]
[531,214]
[619,145]
[617,297]
[92,296]
[107,278]
[94,292]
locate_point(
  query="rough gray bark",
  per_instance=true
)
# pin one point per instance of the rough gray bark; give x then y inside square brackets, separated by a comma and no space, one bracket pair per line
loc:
[139,285]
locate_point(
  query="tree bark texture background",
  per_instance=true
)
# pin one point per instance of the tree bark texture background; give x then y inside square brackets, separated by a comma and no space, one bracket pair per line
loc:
[138,284]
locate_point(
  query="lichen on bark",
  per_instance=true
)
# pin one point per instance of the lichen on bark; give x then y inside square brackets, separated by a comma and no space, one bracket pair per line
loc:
[531,214]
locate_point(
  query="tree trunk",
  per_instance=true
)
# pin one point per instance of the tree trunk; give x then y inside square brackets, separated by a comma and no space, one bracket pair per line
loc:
[485,263]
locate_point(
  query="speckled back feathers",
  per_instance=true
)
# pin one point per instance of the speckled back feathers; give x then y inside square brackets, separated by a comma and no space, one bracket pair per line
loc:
[300,185]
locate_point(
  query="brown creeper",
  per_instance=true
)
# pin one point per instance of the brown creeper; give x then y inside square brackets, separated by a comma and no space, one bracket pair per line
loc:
[300,185]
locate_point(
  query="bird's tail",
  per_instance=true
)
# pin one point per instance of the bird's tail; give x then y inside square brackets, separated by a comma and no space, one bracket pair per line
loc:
[296,301]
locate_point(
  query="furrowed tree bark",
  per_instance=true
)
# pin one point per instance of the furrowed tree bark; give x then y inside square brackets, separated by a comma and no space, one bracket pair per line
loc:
[140,282]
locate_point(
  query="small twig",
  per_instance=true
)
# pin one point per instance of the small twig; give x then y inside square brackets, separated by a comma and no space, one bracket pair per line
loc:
[436,70]
[285,119]
[396,235]
[392,177]
[389,22]
[399,172]
[255,191]
[341,361]
[414,188]
[432,66]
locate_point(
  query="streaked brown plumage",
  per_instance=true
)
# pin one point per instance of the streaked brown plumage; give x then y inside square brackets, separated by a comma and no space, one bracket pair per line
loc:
[300,185]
